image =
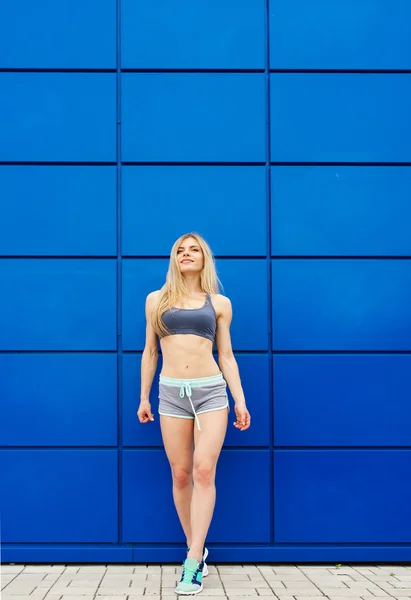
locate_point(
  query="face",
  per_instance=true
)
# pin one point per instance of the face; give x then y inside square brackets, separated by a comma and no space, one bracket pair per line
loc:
[190,256]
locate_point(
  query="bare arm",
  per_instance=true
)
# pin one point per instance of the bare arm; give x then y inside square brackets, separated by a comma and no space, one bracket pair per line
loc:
[228,363]
[149,360]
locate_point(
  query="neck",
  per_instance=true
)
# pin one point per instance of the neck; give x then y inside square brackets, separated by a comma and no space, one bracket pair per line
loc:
[193,284]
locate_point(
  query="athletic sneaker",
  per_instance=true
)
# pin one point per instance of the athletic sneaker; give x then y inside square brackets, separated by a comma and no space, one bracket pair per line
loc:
[191,581]
[205,554]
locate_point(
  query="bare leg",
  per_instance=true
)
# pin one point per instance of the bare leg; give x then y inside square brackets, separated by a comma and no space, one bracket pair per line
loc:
[208,444]
[178,441]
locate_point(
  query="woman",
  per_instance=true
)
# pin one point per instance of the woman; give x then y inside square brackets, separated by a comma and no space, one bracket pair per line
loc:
[188,315]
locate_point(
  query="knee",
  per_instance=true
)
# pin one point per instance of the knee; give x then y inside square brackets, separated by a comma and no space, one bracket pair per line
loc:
[182,477]
[204,474]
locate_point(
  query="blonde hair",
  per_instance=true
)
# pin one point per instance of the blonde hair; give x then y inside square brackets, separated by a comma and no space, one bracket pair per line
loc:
[174,289]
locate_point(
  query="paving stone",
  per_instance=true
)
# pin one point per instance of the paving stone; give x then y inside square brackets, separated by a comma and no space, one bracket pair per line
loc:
[309,597]
[12,569]
[305,584]
[304,591]
[210,592]
[338,592]
[235,577]
[44,568]
[122,597]
[278,586]
[343,597]
[233,592]
[16,588]
[77,597]
[93,569]
[74,592]
[120,569]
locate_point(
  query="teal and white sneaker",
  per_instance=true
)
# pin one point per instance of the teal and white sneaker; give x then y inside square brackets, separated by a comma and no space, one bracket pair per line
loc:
[205,554]
[191,581]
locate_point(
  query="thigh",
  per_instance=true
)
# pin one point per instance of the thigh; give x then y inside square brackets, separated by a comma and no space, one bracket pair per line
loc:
[178,440]
[209,441]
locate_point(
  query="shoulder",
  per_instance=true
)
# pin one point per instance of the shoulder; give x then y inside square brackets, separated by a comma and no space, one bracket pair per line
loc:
[152,299]
[222,304]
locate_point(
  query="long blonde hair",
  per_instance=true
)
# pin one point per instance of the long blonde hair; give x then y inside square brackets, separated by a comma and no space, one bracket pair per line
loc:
[174,289]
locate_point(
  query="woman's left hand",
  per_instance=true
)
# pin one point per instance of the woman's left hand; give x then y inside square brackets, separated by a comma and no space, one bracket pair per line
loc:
[243,416]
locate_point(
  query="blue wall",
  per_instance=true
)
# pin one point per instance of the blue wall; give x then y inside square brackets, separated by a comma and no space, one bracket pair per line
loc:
[282,134]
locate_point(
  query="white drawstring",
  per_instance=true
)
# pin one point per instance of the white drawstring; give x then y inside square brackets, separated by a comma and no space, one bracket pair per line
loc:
[185,387]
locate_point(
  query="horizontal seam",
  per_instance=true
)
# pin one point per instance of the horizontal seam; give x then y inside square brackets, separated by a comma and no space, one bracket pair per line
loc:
[211,409]
[178,416]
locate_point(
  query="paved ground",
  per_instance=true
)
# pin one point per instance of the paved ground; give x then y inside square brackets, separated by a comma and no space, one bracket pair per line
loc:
[133,582]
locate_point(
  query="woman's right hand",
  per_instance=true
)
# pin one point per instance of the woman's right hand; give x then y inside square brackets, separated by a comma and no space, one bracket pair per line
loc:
[144,412]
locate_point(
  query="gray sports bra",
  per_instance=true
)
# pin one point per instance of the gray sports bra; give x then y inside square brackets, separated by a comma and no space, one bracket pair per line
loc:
[199,321]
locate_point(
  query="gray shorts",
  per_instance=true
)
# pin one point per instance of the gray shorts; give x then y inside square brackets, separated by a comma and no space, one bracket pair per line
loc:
[187,398]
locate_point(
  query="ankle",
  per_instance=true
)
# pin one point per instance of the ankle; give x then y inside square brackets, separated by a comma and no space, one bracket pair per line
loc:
[196,556]
[196,553]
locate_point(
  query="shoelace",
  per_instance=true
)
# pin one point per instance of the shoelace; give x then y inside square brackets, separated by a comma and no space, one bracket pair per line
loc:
[186,387]
[188,574]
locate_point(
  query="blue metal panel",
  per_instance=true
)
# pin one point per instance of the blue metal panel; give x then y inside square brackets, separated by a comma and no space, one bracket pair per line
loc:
[340,211]
[134,432]
[70,34]
[151,495]
[182,199]
[342,34]
[193,117]
[62,400]
[58,117]
[52,304]
[59,495]
[141,276]
[245,283]
[332,117]
[193,35]
[254,371]
[342,400]
[58,211]
[342,496]
[341,304]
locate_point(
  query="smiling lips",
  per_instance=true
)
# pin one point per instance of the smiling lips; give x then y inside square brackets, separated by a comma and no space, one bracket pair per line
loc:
[186,260]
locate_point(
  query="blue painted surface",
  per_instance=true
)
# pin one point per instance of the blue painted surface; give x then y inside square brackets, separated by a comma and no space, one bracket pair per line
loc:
[342,400]
[342,34]
[184,35]
[59,211]
[57,117]
[316,262]
[62,400]
[340,117]
[313,487]
[57,304]
[58,35]
[63,495]
[340,211]
[236,194]
[193,117]
[341,304]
